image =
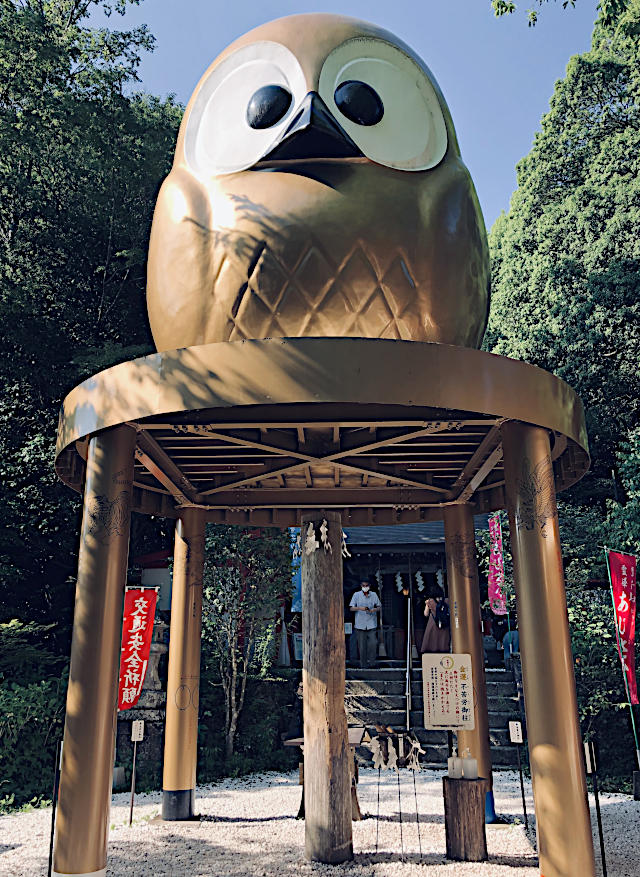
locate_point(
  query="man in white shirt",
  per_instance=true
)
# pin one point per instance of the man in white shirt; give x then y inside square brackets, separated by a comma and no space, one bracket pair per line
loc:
[366,606]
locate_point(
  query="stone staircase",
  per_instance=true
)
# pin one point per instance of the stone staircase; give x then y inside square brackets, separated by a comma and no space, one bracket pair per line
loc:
[377,697]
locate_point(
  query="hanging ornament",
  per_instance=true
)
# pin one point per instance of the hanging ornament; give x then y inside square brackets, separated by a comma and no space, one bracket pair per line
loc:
[343,547]
[440,578]
[311,543]
[378,575]
[324,536]
[297,548]
[392,760]
[419,581]
[399,581]
[378,755]
[413,760]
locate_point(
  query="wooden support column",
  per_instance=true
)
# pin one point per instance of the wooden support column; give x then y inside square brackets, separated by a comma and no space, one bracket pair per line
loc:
[327,785]
[89,731]
[466,626]
[183,675]
[555,748]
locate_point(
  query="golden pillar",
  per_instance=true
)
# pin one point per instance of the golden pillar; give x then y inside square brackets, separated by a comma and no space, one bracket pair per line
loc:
[466,627]
[89,731]
[555,748]
[183,679]
[327,775]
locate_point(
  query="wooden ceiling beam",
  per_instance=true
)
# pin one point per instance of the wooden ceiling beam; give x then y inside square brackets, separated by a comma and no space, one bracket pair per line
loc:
[149,453]
[323,497]
[489,464]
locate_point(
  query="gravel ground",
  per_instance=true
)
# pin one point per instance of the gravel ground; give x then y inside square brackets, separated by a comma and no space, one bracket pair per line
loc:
[248,828]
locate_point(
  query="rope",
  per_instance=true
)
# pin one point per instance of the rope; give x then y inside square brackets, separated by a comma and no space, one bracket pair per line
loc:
[400,813]
[415,795]
[378,813]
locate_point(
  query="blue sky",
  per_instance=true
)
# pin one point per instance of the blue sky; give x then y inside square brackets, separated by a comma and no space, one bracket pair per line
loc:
[496,74]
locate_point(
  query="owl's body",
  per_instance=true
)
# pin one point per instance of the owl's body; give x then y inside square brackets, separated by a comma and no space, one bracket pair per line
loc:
[306,244]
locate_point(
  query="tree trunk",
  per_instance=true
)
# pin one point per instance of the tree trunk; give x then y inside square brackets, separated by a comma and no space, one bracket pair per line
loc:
[326,750]
[464,819]
[230,739]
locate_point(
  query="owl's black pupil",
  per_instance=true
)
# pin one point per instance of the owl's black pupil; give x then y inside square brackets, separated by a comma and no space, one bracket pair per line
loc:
[359,102]
[267,106]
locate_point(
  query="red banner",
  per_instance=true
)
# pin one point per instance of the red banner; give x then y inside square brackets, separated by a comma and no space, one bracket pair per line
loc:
[496,567]
[137,627]
[622,573]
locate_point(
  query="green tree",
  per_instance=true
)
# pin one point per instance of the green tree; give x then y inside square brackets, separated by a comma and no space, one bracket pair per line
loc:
[81,159]
[623,519]
[247,574]
[566,258]
[610,9]
[565,277]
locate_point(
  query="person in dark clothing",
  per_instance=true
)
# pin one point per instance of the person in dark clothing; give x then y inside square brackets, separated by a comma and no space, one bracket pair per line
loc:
[499,627]
[437,631]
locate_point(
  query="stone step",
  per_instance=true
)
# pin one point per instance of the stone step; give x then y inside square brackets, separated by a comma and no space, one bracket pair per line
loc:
[495,679]
[374,701]
[396,718]
[502,694]
[384,674]
[380,687]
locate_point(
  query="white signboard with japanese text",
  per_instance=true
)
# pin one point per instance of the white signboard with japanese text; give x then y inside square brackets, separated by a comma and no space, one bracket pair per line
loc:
[515,732]
[137,730]
[448,692]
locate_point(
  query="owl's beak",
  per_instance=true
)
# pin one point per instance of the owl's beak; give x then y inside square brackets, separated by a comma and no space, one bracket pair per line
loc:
[313,133]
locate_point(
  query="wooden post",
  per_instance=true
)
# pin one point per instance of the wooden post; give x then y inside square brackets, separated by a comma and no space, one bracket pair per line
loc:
[464,819]
[466,625]
[183,676]
[327,774]
[558,777]
[89,732]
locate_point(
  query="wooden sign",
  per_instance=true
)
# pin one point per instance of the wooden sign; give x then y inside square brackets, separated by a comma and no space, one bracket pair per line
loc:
[590,757]
[448,692]
[515,732]
[137,731]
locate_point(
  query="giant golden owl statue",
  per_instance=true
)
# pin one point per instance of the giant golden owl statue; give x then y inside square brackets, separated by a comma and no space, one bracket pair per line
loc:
[317,190]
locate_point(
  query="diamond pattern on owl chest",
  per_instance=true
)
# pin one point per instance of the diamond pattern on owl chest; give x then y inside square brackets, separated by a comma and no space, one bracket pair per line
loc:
[303,291]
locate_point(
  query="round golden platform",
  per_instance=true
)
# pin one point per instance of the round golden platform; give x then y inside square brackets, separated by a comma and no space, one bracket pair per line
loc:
[384,431]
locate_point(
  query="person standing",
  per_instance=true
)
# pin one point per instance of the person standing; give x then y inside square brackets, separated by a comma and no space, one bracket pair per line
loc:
[366,605]
[511,645]
[436,637]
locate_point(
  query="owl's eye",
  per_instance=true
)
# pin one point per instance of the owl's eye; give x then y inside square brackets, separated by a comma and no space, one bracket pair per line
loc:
[267,106]
[242,107]
[386,102]
[359,102]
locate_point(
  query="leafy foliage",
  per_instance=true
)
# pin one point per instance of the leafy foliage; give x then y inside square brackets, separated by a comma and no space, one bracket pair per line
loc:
[610,10]
[566,258]
[566,274]
[247,573]
[23,652]
[269,703]
[623,519]
[80,164]
[31,720]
